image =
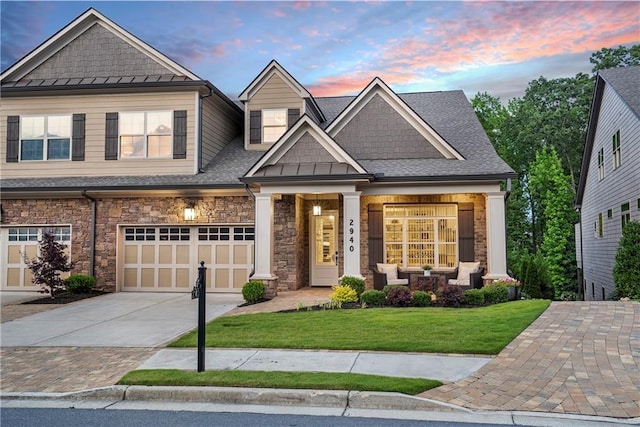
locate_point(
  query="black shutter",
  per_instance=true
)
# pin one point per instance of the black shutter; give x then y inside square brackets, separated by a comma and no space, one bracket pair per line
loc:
[13,138]
[180,134]
[466,251]
[255,127]
[111,137]
[376,243]
[293,114]
[77,138]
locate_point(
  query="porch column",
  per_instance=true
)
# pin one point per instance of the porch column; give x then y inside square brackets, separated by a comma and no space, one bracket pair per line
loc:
[351,234]
[496,236]
[263,237]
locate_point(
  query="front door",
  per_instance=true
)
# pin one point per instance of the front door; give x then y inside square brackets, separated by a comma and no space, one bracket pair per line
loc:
[324,248]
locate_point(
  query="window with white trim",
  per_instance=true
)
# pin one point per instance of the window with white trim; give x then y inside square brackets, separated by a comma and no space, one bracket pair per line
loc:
[35,234]
[601,164]
[45,137]
[617,160]
[626,214]
[274,124]
[146,134]
[416,235]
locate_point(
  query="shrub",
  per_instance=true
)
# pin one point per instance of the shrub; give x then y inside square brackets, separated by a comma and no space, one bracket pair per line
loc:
[399,296]
[253,291]
[373,297]
[79,283]
[421,299]
[626,270]
[342,294]
[535,277]
[388,288]
[451,296]
[48,265]
[474,296]
[356,283]
[495,294]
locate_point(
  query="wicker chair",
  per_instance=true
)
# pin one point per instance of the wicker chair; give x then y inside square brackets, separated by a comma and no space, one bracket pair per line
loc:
[380,279]
[474,274]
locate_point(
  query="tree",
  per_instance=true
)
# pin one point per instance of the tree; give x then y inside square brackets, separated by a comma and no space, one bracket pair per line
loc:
[48,265]
[626,271]
[615,57]
[552,189]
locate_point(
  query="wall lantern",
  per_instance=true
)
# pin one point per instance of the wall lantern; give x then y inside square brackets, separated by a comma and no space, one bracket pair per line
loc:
[317,210]
[189,213]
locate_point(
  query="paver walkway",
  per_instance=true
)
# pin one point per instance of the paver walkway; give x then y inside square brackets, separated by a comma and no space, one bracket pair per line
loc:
[577,358]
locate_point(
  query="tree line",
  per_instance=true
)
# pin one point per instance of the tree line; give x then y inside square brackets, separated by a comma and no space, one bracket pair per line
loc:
[542,137]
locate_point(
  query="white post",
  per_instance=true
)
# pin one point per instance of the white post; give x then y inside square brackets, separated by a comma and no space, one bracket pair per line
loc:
[351,234]
[496,236]
[263,237]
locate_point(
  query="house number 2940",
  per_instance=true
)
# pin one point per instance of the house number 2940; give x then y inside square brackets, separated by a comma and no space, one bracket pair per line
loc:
[351,236]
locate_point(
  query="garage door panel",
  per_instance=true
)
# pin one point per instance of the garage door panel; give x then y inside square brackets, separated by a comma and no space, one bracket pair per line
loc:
[131,254]
[204,254]
[148,254]
[13,277]
[240,277]
[131,277]
[147,277]
[240,254]
[222,254]
[165,254]
[165,277]
[13,255]
[222,278]
[183,254]
[182,278]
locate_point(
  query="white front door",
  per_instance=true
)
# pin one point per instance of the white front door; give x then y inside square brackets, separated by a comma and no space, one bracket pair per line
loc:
[324,248]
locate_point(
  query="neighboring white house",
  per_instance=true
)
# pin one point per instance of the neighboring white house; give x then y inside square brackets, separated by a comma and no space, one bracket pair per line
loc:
[609,190]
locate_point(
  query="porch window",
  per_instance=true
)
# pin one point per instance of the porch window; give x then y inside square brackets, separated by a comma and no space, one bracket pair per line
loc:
[415,235]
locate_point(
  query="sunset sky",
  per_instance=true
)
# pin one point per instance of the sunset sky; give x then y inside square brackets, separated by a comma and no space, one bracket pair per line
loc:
[336,48]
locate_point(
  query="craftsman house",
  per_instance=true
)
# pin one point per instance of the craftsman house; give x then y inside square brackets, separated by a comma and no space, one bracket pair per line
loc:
[144,169]
[609,189]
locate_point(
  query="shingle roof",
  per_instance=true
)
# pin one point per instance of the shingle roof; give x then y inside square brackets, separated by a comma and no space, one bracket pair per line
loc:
[94,81]
[626,82]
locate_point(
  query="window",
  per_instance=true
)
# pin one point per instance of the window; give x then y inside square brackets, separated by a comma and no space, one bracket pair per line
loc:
[626,215]
[147,134]
[616,150]
[34,234]
[140,234]
[600,231]
[415,235]
[45,137]
[274,125]
[601,164]
[610,213]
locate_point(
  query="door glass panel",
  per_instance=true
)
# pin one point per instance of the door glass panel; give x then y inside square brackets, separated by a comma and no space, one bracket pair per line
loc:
[325,239]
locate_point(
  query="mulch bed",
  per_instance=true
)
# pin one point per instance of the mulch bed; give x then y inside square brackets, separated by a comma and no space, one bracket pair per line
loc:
[65,298]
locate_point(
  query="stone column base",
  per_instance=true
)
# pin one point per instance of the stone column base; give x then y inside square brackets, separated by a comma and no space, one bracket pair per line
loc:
[270,287]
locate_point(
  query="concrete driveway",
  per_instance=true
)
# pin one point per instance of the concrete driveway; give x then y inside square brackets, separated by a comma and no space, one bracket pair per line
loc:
[115,320]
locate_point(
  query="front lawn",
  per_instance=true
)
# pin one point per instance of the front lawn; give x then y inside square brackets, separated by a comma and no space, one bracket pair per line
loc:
[278,379]
[485,330]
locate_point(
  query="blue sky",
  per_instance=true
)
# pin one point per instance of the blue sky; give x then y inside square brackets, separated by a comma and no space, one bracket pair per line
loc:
[336,48]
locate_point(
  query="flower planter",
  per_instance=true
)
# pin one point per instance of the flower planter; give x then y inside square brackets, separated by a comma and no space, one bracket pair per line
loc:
[427,273]
[514,292]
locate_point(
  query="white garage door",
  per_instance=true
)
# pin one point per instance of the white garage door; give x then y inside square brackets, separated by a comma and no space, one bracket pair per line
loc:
[21,243]
[166,258]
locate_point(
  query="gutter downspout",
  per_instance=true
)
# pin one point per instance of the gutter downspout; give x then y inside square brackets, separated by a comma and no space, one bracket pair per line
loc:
[200,102]
[506,234]
[253,196]
[92,255]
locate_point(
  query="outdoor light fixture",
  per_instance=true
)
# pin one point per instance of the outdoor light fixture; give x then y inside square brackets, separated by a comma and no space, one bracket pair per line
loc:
[317,209]
[189,213]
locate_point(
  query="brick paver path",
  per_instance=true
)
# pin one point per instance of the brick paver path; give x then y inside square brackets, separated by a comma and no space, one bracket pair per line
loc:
[577,358]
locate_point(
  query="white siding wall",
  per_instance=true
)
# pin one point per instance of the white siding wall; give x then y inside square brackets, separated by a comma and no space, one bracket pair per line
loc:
[95,108]
[618,186]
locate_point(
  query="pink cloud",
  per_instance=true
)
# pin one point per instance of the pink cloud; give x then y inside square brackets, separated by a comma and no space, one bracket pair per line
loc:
[300,5]
[279,13]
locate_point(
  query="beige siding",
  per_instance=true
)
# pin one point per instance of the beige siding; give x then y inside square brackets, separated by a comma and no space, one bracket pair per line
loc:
[220,124]
[95,108]
[275,93]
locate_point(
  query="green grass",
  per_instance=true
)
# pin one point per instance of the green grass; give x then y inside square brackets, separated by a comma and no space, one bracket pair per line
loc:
[485,330]
[263,379]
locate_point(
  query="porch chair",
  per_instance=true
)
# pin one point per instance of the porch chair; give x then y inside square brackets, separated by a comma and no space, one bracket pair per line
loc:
[388,274]
[467,274]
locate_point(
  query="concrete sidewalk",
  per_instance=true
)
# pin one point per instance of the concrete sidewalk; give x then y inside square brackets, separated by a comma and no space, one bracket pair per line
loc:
[407,365]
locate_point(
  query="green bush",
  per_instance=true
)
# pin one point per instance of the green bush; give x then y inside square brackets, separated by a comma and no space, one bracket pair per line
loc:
[342,294]
[356,283]
[474,296]
[253,291]
[421,299]
[495,293]
[626,270]
[399,296]
[373,297]
[388,288]
[79,283]
[535,277]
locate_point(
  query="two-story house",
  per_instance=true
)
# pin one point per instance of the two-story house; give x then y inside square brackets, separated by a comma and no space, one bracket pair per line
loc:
[144,170]
[609,189]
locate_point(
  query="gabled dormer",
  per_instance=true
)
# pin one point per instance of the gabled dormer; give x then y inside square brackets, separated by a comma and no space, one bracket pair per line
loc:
[273,102]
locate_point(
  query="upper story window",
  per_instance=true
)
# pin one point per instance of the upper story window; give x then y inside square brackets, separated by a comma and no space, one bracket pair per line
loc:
[45,137]
[601,164]
[146,134]
[617,161]
[625,214]
[274,125]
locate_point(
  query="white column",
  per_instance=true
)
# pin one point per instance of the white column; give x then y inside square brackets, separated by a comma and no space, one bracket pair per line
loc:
[496,236]
[351,233]
[263,237]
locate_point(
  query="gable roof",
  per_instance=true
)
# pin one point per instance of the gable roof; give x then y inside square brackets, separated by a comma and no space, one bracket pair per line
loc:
[625,82]
[274,68]
[160,67]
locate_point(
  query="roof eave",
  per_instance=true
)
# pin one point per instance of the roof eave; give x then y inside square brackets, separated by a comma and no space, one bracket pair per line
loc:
[442,178]
[308,178]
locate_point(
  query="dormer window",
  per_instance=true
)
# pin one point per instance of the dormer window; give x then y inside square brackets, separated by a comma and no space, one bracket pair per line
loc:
[274,125]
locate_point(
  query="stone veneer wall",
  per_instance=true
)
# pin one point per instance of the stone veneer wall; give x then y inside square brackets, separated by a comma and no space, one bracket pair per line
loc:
[479,223]
[120,211]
